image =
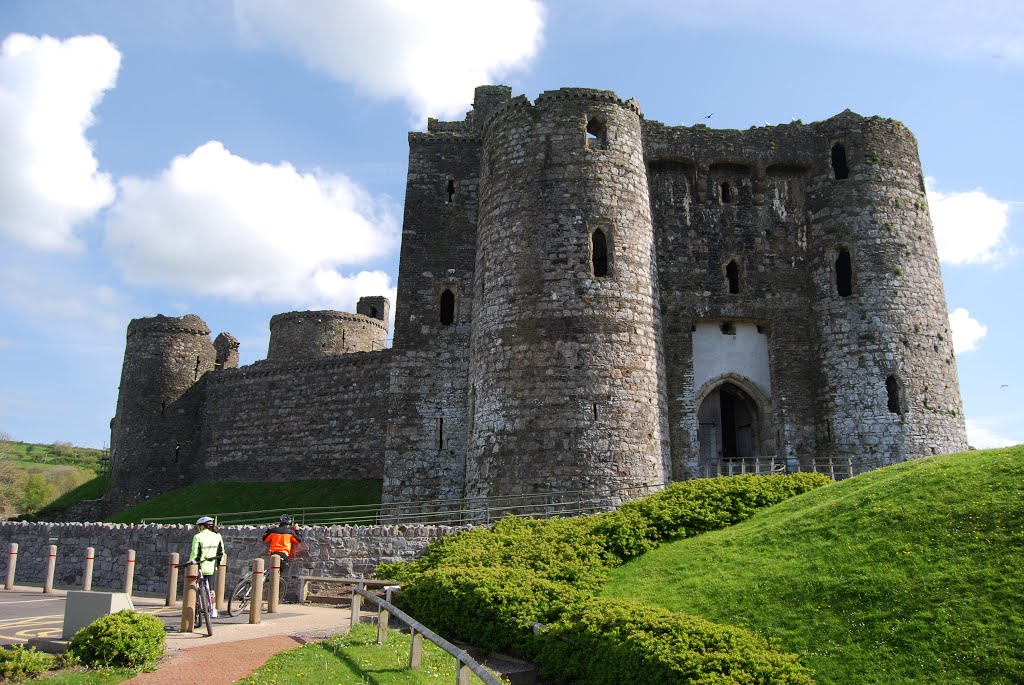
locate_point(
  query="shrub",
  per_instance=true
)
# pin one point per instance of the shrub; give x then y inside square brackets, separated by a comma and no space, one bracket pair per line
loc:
[19,663]
[607,641]
[127,639]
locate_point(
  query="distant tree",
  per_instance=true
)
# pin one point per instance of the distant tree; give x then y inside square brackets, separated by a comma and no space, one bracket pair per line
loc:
[37,492]
[11,495]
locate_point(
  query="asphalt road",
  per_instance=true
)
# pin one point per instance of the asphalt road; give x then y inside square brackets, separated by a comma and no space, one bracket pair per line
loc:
[26,613]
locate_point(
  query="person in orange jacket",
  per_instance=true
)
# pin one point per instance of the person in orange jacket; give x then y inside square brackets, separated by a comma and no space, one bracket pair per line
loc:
[282,539]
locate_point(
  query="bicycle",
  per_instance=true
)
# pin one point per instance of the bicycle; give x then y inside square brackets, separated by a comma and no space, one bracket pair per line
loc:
[203,610]
[238,600]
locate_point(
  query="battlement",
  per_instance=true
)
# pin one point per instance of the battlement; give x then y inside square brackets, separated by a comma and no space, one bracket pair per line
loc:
[190,324]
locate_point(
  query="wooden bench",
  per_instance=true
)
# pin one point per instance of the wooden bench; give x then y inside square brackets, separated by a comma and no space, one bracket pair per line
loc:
[357,582]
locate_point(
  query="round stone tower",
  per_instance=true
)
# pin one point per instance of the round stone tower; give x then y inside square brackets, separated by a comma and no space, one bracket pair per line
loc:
[889,388]
[566,374]
[154,431]
[318,334]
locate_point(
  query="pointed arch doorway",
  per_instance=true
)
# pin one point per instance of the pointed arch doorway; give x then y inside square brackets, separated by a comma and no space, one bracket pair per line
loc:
[732,427]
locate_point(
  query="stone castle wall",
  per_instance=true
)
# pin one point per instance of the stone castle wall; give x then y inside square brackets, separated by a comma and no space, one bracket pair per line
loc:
[319,334]
[325,550]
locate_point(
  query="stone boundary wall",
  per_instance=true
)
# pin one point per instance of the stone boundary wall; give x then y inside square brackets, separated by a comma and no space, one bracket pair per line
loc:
[325,550]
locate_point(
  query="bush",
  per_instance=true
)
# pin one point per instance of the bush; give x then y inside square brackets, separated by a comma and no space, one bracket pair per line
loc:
[127,639]
[607,641]
[19,663]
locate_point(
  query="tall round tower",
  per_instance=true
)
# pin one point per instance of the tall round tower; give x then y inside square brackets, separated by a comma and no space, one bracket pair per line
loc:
[318,334]
[154,432]
[566,374]
[889,388]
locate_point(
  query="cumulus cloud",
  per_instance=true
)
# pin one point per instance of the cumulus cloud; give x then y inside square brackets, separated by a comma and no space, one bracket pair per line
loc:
[431,53]
[49,178]
[970,227]
[214,223]
[982,437]
[979,30]
[966,330]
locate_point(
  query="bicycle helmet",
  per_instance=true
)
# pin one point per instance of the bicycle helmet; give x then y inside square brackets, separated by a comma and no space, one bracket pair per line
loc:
[286,520]
[204,521]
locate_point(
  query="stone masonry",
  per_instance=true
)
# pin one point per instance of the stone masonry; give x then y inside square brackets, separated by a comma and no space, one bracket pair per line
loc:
[587,300]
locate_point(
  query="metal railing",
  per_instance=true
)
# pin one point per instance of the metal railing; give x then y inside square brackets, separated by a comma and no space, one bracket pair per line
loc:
[465,664]
[470,510]
[741,466]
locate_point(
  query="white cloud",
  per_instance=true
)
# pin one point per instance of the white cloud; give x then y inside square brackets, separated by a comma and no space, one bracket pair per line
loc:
[966,331]
[216,224]
[981,437]
[978,30]
[431,53]
[49,178]
[970,227]
[46,292]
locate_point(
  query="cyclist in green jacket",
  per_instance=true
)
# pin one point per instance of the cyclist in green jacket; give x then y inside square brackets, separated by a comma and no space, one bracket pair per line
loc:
[207,551]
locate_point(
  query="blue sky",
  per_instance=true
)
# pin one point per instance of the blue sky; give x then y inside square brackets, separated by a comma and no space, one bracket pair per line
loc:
[236,160]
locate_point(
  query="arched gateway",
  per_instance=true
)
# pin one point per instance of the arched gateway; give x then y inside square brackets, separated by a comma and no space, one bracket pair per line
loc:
[733,427]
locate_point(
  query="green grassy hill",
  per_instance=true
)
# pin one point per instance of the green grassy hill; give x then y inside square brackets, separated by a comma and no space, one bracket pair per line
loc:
[909,574]
[215,499]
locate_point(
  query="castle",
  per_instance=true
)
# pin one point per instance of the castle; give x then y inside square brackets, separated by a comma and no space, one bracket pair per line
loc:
[587,300]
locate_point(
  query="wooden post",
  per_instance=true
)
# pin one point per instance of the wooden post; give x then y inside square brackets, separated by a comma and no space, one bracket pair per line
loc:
[90,556]
[188,599]
[415,651]
[221,583]
[256,594]
[51,564]
[172,581]
[462,673]
[129,572]
[357,605]
[275,584]
[383,619]
[12,563]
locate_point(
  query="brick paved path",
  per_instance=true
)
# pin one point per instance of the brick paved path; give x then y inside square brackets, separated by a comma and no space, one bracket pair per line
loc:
[219,664]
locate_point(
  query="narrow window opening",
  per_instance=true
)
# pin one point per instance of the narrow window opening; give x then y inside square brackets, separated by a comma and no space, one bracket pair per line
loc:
[596,133]
[728,328]
[732,272]
[373,313]
[163,407]
[839,168]
[451,190]
[599,253]
[177,450]
[343,340]
[844,274]
[447,307]
[595,411]
[196,376]
[892,391]
[726,193]
[440,433]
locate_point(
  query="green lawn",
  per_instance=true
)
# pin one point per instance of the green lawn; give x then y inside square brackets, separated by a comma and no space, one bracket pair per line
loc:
[219,498]
[909,574]
[356,658]
[84,676]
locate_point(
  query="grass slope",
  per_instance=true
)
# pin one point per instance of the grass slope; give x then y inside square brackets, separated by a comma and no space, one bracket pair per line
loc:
[218,498]
[909,574]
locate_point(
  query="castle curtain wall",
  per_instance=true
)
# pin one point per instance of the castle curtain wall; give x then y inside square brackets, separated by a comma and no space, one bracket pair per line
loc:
[279,421]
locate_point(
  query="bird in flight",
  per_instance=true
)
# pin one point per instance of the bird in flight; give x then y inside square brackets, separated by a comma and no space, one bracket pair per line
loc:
[710,115]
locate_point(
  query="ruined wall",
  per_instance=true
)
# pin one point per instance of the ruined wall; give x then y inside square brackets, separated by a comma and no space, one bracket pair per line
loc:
[306,419]
[325,550]
[566,376]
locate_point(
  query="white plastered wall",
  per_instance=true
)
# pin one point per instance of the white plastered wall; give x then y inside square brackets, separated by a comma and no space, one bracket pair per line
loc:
[744,354]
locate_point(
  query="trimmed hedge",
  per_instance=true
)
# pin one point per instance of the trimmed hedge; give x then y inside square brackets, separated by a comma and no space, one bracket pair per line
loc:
[610,642]
[489,586]
[125,638]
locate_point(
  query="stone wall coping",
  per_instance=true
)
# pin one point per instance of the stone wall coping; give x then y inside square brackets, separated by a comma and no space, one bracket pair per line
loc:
[267,367]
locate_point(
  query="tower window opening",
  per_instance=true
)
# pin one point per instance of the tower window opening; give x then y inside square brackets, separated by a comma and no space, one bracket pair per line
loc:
[844,274]
[892,392]
[451,191]
[177,451]
[163,407]
[373,313]
[599,253]
[726,193]
[597,133]
[447,307]
[196,376]
[595,411]
[728,328]
[732,273]
[839,168]
[440,433]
